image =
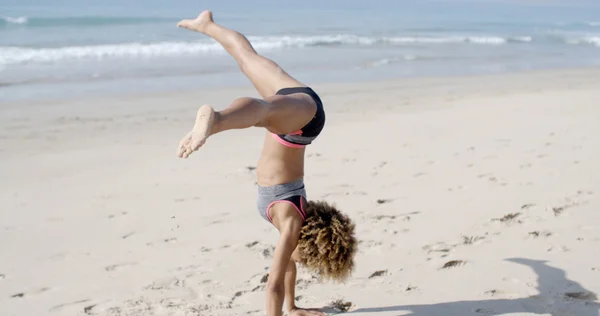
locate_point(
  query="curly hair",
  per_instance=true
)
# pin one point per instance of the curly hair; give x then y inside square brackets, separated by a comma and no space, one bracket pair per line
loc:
[327,244]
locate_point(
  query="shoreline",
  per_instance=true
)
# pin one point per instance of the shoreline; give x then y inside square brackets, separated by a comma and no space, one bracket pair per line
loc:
[328,85]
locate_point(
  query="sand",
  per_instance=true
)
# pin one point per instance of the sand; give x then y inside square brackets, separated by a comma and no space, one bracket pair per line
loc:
[472,196]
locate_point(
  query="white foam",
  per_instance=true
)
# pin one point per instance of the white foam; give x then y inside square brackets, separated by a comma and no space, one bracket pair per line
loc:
[17,20]
[16,55]
[389,61]
[487,40]
[594,40]
[426,40]
[524,39]
[590,40]
[19,55]
[491,40]
[381,62]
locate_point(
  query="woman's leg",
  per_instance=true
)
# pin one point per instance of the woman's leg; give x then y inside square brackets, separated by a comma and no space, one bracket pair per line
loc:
[266,76]
[277,113]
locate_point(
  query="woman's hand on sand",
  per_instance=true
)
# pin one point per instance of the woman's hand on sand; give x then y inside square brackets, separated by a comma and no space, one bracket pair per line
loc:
[306,312]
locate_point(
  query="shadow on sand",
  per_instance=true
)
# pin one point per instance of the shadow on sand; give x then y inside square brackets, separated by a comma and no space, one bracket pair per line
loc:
[558,296]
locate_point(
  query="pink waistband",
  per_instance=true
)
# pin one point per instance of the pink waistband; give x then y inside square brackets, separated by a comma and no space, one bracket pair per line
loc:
[286,143]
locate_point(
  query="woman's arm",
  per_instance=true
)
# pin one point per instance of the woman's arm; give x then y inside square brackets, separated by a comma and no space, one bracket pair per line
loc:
[288,240]
[290,286]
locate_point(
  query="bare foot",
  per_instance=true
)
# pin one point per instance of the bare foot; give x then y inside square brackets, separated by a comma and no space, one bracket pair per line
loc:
[306,312]
[197,137]
[198,24]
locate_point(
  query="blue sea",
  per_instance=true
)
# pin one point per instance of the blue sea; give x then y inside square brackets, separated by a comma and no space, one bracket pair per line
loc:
[68,48]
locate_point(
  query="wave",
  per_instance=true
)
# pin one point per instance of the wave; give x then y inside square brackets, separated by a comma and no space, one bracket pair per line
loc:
[10,20]
[19,55]
[83,21]
[394,60]
[589,40]
[521,39]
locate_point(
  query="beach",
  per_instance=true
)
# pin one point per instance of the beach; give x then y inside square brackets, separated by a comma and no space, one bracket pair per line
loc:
[472,195]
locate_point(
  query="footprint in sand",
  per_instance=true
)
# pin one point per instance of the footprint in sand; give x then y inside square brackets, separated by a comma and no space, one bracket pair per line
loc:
[453,264]
[444,248]
[305,282]
[383,201]
[339,306]
[438,248]
[410,288]
[471,240]
[491,292]
[167,284]
[127,235]
[191,267]
[116,267]
[111,216]
[235,296]
[390,218]
[30,293]
[258,279]
[484,311]
[346,193]
[378,167]
[559,248]
[508,218]
[171,240]
[88,309]
[265,251]
[536,234]
[58,307]
[378,273]
[370,243]
[394,232]
[527,206]
[583,296]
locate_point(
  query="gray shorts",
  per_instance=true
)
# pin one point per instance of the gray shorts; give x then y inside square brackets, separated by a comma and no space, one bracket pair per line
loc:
[292,192]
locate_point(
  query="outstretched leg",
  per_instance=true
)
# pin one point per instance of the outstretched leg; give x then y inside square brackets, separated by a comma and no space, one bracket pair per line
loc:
[266,76]
[278,114]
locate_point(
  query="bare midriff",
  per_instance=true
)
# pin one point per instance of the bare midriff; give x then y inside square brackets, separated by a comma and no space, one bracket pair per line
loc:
[279,164]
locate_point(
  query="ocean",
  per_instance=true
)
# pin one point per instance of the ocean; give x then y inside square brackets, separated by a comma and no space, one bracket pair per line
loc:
[67,48]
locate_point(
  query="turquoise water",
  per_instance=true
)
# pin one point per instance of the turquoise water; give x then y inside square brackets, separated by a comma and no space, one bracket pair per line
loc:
[74,48]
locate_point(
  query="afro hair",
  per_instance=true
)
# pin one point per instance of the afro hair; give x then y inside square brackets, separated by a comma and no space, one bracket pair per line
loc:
[327,244]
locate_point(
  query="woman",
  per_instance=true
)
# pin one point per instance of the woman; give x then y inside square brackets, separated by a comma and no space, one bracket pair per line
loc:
[314,234]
